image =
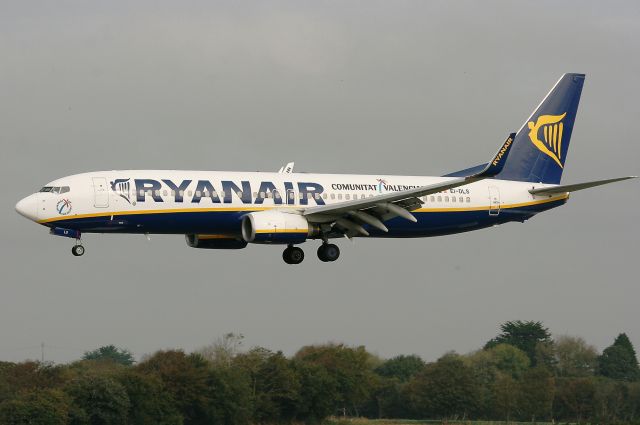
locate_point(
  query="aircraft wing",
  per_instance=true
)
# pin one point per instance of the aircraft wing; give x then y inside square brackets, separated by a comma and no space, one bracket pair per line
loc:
[350,215]
[563,188]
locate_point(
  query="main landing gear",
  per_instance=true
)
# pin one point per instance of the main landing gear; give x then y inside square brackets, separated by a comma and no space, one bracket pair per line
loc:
[293,255]
[327,252]
[77,250]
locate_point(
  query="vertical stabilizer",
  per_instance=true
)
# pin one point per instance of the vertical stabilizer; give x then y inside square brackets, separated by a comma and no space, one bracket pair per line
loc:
[541,145]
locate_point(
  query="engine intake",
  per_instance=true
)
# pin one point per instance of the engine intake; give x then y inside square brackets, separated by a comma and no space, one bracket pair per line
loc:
[276,227]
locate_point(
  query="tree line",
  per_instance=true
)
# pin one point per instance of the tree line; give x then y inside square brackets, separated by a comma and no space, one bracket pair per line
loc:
[522,374]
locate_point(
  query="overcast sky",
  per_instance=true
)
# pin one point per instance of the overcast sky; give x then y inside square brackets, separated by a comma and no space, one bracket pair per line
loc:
[395,87]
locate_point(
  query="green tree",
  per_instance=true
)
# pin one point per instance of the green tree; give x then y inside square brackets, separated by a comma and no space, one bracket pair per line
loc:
[43,407]
[619,361]
[574,399]
[445,389]
[535,394]
[401,367]
[275,384]
[110,353]
[525,335]
[351,369]
[149,404]
[574,357]
[185,378]
[230,398]
[101,398]
[318,393]
[504,396]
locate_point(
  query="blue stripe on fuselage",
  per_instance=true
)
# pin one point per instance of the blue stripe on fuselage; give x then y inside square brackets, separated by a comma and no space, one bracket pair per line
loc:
[430,223]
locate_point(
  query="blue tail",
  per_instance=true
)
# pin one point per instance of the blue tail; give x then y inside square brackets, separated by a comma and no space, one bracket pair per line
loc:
[540,147]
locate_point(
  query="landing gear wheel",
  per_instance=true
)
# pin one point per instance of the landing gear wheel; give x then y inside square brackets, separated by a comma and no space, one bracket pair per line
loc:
[77,250]
[293,255]
[328,252]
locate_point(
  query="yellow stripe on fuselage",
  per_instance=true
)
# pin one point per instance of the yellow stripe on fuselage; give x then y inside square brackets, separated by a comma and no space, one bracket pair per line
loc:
[253,209]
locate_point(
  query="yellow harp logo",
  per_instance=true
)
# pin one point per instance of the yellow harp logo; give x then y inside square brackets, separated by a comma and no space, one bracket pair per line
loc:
[551,126]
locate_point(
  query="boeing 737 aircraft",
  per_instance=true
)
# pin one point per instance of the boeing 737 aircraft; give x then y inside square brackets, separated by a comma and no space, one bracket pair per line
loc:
[228,210]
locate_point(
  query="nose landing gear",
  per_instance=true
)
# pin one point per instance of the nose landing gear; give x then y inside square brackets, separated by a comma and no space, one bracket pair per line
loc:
[77,250]
[328,252]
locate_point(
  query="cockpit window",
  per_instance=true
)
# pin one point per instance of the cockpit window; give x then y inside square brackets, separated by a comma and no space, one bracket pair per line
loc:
[55,189]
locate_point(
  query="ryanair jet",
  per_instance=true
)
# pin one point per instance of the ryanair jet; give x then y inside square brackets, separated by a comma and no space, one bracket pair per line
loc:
[229,210]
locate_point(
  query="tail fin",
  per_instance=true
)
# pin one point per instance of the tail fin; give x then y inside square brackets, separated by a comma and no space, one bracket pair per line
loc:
[540,147]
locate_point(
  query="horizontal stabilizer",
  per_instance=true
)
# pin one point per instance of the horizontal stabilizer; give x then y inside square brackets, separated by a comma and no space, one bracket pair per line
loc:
[563,188]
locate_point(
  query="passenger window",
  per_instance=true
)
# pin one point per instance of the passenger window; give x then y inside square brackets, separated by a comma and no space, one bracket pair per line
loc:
[461,199]
[276,195]
[468,199]
[333,196]
[189,193]
[446,199]
[363,196]
[301,195]
[439,198]
[157,193]
[433,199]
[340,196]
[453,199]
[317,195]
[255,194]
[205,193]
[347,197]
[198,193]
[324,196]
[164,192]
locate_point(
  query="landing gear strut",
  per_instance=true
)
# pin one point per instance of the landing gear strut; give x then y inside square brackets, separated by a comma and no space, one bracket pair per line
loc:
[293,255]
[77,250]
[328,252]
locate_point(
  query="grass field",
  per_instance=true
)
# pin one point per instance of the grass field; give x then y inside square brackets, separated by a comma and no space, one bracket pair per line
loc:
[360,421]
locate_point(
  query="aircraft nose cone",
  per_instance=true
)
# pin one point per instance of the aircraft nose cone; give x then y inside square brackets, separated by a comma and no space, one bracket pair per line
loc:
[27,207]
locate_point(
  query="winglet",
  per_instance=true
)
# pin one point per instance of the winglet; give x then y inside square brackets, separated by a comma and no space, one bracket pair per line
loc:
[497,163]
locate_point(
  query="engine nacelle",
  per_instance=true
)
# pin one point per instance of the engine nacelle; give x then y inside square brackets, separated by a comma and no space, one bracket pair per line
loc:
[214,242]
[276,227]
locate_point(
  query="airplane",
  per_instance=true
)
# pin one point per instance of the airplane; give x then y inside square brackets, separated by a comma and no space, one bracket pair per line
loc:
[229,210]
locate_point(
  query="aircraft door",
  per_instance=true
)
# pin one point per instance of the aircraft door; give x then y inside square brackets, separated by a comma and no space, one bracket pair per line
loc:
[100,192]
[494,200]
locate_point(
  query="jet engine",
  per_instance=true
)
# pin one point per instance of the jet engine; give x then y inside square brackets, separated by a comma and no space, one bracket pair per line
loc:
[214,242]
[277,227]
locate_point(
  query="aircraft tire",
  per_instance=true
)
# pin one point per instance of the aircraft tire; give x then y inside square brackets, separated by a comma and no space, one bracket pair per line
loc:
[328,252]
[77,250]
[293,255]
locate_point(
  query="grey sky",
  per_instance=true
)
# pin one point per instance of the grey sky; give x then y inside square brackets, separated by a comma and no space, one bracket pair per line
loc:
[395,87]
